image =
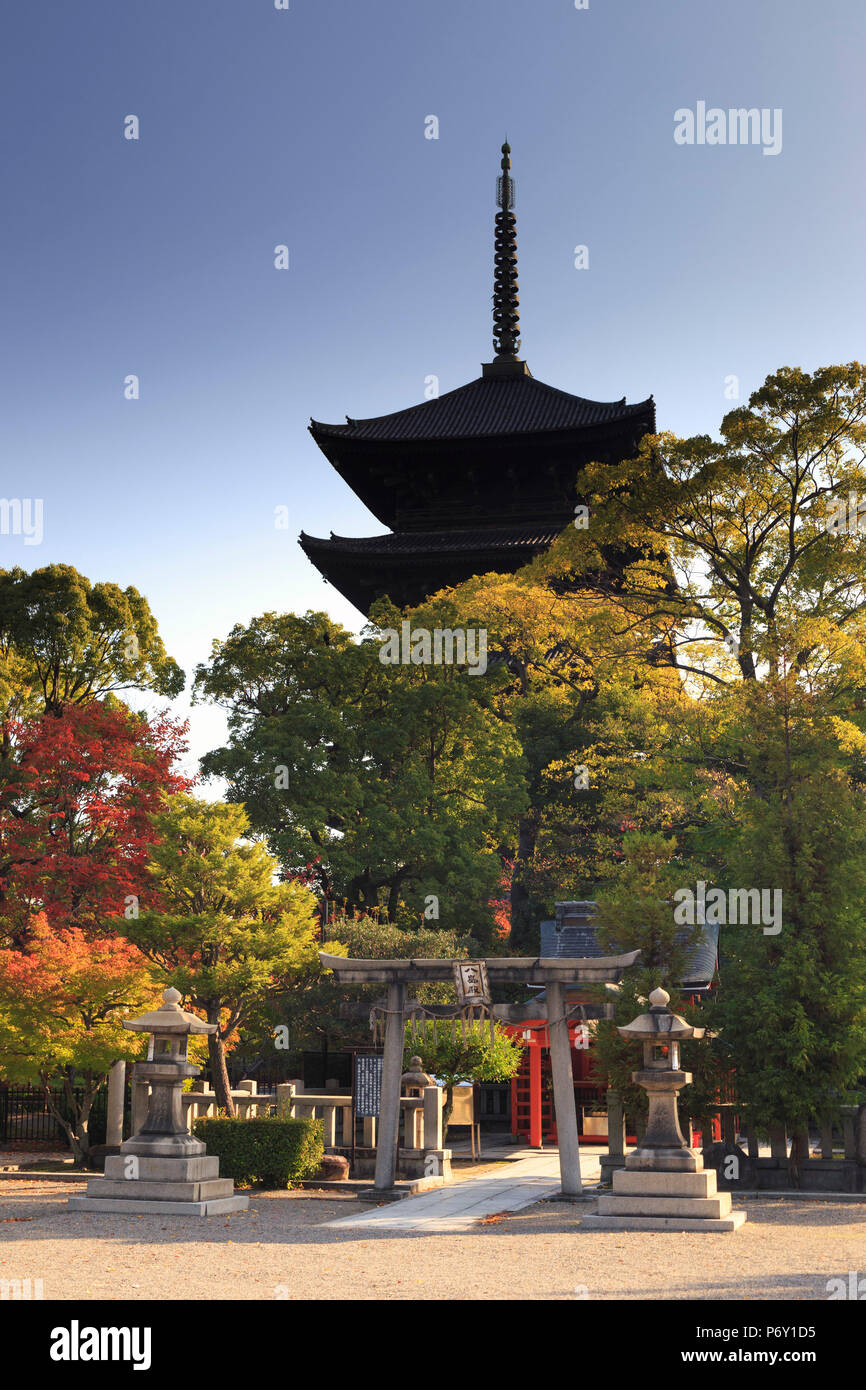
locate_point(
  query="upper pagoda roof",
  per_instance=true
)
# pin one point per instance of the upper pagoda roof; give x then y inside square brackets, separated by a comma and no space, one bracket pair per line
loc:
[487,407]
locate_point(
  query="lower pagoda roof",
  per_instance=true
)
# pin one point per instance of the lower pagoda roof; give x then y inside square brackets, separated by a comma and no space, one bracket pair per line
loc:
[408,566]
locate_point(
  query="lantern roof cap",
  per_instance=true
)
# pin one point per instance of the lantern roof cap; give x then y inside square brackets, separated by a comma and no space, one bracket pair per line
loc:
[416,1076]
[659,1023]
[169,1018]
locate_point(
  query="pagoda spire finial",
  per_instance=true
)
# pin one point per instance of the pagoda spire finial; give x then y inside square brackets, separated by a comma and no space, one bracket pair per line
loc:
[506,314]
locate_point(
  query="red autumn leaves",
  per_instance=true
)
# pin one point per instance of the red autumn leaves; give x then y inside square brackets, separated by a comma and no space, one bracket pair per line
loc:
[77,791]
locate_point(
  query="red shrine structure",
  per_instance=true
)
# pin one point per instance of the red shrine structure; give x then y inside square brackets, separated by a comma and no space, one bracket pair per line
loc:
[479,480]
[572,935]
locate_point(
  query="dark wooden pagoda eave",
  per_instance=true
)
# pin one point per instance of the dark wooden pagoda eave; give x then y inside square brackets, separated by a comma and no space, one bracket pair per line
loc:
[385,474]
[409,577]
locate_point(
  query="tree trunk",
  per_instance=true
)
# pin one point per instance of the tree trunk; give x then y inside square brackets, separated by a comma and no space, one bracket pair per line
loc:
[77,1132]
[82,1125]
[524,927]
[219,1073]
[79,1156]
[798,1156]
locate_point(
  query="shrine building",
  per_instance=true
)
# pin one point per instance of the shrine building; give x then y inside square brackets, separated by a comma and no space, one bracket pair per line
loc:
[573,934]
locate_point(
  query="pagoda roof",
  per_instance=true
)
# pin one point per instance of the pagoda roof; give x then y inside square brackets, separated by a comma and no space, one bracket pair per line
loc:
[421,543]
[488,407]
[409,565]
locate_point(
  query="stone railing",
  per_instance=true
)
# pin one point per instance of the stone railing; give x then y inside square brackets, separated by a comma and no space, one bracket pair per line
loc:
[829,1156]
[248,1101]
[334,1111]
[421,1116]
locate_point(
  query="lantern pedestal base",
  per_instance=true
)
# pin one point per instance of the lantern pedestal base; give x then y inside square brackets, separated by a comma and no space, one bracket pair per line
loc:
[137,1207]
[665,1223]
[663,1161]
[161,1186]
[665,1200]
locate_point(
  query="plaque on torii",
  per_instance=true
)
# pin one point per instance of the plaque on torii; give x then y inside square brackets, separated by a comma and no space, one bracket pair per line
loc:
[554,973]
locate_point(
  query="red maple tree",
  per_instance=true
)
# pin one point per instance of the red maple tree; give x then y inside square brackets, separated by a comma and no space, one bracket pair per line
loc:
[77,792]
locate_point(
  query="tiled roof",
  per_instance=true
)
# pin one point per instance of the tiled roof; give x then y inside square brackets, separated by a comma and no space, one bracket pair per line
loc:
[491,406]
[427,542]
[578,939]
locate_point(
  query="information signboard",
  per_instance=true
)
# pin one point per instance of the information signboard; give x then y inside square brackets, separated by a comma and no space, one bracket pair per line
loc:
[368,1085]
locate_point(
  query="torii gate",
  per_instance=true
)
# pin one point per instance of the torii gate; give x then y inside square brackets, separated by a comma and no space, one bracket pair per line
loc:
[554,973]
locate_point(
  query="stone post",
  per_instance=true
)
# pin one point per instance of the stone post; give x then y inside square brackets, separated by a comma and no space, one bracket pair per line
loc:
[392,1071]
[848,1118]
[286,1100]
[563,1092]
[411,1124]
[329,1126]
[116,1097]
[432,1117]
[140,1101]
[615,1125]
[615,1156]
[779,1143]
[860,1137]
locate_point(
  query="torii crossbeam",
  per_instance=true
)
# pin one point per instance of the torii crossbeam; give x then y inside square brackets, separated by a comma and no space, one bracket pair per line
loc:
[555,973]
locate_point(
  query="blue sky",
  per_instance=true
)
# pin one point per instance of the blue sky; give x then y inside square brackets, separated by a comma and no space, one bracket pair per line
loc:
[306,127]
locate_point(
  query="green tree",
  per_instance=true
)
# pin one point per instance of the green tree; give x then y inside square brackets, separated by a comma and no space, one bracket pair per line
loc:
[751,550]
[575,688]
[792,1002]
[319,1013]
[737,548]
[635,912]
[221,926]
[397,779]
[470,1055]
[64,640]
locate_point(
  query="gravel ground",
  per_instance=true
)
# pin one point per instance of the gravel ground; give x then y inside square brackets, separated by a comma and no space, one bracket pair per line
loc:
[278,1250]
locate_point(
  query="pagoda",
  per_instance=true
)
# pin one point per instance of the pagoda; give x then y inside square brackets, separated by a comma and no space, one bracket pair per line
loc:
[480,479]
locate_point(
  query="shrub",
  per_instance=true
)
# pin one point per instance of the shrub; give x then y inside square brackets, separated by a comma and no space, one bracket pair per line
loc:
[275,1152]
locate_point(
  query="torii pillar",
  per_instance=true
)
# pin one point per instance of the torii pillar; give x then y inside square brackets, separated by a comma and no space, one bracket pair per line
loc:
[392,1070]
[563,1092]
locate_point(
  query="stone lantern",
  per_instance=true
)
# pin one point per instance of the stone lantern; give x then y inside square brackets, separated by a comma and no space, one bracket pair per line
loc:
[664,1186]
[415,1081]
[663,1147]
[423,1123]
[163,1168]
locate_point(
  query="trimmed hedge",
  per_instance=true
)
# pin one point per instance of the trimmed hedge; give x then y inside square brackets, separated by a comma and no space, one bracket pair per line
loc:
[275,1152]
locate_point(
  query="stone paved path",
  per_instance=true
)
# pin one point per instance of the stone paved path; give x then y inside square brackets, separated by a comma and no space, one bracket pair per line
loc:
[456,1208]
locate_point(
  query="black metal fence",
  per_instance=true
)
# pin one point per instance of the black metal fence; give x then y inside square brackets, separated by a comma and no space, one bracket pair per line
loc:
[25,1116]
